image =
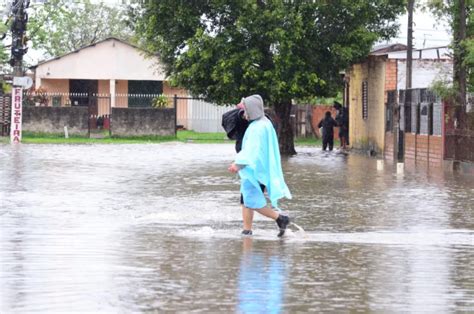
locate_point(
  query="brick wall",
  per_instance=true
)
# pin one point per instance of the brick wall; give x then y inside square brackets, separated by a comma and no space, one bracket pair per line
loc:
[390,84]
[411,150]
[423,150]
[390,76]
[318,113]
[435,157]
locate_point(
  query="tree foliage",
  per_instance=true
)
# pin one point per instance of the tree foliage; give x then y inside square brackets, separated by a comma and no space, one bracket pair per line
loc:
[61,26]
[4,53]
[464,50]
[469,62]
[282,50]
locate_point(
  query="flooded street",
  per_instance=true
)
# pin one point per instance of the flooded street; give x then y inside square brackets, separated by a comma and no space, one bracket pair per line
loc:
[143,228]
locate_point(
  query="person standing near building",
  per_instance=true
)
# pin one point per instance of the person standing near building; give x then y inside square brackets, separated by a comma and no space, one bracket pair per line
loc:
[328,124]
[259,167]
[342,119]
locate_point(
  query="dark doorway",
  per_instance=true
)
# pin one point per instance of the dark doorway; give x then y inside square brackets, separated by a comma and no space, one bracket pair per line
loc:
[82,92]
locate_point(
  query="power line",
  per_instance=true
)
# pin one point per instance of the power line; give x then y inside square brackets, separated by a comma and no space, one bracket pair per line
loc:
[428,39]
[429,30]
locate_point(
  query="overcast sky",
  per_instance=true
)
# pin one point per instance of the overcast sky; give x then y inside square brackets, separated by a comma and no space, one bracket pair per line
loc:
[428,31]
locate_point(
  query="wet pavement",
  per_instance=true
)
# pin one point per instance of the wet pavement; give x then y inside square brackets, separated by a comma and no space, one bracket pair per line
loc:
[155,228]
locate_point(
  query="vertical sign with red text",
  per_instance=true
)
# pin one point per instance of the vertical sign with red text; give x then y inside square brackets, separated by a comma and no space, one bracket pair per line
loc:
[15,130]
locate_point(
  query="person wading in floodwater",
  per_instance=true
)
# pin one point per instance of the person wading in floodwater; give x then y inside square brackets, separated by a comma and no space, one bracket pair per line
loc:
[328,124]
[259,167]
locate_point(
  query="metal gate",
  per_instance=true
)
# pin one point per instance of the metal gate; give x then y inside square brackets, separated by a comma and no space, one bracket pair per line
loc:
[5,114]
[99,114]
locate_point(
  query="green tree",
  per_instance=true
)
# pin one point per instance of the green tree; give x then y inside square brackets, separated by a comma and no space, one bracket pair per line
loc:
[61,26]
[469,62]
[280,49]
[460,16]
[469,45]
[4,56]
[4,53]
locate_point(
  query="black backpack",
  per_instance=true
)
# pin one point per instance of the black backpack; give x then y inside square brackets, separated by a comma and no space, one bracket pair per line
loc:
[235,125]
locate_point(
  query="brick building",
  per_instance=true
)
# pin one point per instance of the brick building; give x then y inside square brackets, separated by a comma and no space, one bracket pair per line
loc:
[375,87]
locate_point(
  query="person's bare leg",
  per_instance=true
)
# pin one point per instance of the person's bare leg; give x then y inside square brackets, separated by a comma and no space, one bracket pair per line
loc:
[247,217]
[268,212]
[281,220]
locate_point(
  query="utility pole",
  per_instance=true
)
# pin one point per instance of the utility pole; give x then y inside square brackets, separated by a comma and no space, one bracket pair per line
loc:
[18,29]
[408,85]
[460,71]
[411,4]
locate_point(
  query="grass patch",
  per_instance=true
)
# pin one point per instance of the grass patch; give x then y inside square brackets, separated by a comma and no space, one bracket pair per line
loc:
[104,138]
[310,141]
[191,136]
[314,142]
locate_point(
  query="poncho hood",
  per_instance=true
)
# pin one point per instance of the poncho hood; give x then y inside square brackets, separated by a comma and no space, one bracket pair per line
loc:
[254,107]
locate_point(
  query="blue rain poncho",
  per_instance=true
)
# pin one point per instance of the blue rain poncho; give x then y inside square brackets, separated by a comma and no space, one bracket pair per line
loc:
[260,158]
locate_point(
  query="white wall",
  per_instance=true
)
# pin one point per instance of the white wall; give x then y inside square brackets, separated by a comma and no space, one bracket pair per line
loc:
[110,59]
[424,73]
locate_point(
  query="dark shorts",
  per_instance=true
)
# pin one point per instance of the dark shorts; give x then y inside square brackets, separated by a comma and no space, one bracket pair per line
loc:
[343,132]
[242,197]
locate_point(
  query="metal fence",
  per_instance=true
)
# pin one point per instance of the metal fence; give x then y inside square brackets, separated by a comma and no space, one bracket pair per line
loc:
[416,112]
[202,116]
[420,111]
[191,113]
[5,114]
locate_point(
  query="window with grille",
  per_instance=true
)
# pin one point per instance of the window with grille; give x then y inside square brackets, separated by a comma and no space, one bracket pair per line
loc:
[365,100]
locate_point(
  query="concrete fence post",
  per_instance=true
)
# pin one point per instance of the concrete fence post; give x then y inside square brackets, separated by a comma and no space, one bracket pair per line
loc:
[175,106]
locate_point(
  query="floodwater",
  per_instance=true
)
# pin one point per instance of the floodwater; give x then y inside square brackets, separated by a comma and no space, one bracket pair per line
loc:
[156,228]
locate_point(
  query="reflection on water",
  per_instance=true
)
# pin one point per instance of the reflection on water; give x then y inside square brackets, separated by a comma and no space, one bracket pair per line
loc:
[261,279]
[138,228]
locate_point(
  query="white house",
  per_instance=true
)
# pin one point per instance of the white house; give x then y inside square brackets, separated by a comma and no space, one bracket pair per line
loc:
[110,66]
[118,74]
